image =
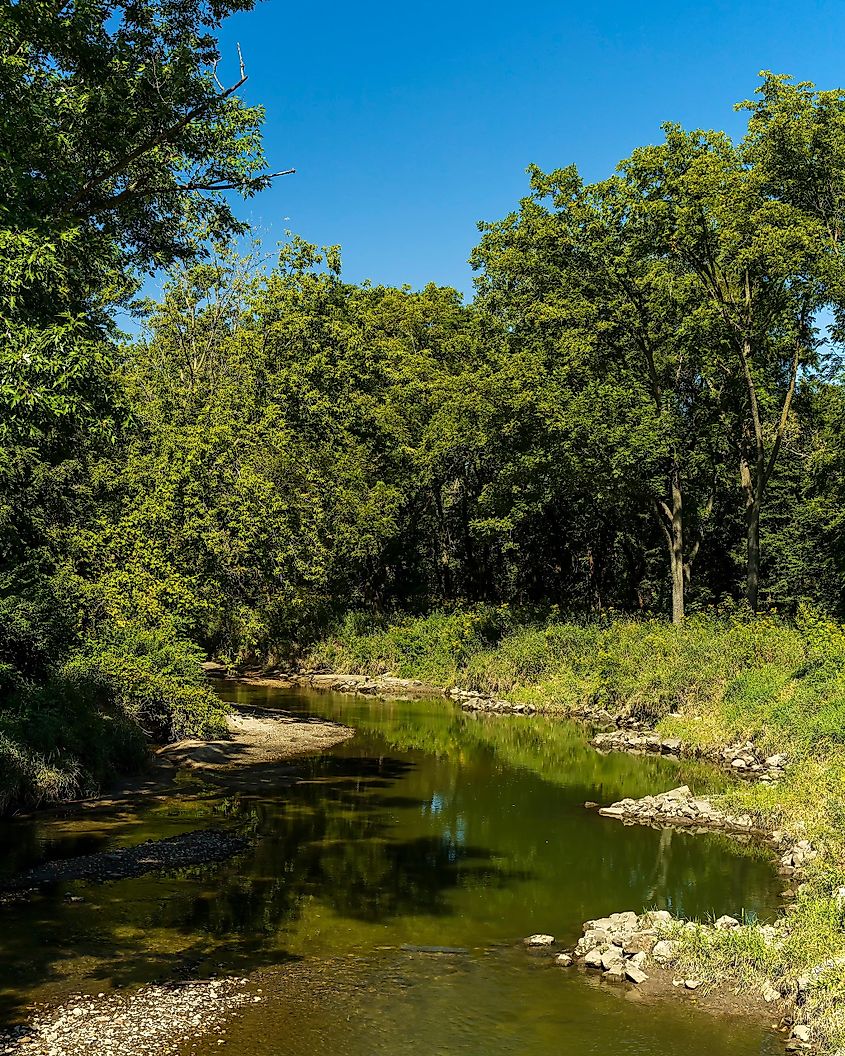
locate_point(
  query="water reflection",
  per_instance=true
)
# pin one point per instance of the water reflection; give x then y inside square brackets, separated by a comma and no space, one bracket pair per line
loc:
[430,827]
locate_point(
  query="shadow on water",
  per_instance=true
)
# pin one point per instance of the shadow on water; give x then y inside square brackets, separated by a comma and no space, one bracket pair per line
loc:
[331,839]
[429,828]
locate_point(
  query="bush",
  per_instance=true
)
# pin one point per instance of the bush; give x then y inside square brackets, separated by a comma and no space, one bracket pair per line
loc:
[152,677]
[57,743]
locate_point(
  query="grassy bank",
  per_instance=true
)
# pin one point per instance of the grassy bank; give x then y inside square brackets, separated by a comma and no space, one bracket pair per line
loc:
[711,681]
[70,729]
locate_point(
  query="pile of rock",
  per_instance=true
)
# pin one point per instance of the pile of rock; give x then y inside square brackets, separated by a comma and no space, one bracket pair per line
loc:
[623,945]
[619,946]
[795,858]
[370,685]
[471,700]
[744,760]
[638,742]
[678,807]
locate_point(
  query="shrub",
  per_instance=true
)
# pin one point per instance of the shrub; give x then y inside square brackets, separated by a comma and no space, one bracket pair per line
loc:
[152,677]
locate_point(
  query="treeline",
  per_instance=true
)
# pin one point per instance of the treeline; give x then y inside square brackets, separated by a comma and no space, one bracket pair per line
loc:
[640,412]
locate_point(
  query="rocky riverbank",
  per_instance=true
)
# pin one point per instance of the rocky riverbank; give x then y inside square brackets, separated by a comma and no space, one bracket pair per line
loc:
[680,807]
[649,950]
[154,1019]
[743,760]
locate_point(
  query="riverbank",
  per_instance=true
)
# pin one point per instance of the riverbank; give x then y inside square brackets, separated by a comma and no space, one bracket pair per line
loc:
[254,739]
[764,696]
[153,1019]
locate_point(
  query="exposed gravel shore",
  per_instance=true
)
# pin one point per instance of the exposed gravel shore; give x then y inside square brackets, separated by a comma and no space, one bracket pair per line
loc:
[256,738]
[175,852]
[152,1021]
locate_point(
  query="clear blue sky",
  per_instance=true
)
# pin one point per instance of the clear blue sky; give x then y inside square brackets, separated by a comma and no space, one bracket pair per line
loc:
[407,123]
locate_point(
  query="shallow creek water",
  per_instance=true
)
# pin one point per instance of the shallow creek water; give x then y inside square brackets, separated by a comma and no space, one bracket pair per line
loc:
[429,827]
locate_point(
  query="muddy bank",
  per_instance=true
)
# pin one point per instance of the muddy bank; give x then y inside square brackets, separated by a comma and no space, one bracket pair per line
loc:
[255,738]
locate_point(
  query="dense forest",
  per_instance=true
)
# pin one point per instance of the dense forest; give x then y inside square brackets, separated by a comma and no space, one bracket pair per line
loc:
[640,412]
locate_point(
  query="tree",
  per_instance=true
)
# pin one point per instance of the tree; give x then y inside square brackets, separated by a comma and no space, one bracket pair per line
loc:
[118,145]
[760,263]
[575,271]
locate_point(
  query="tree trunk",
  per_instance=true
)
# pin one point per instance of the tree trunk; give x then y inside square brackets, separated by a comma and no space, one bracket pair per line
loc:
[676,549]
[672,522]
[753,484]
[753,574]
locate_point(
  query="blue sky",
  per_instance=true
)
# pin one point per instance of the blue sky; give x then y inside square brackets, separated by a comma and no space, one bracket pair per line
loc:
[408,123]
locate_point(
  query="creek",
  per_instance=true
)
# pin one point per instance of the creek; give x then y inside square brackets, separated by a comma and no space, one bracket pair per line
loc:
[430,827]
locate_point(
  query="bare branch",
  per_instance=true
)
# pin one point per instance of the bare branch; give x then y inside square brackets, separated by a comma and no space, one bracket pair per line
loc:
[150,144]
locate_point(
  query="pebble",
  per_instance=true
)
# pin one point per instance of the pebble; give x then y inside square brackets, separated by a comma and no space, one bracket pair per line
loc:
[174,852]
[153,1019]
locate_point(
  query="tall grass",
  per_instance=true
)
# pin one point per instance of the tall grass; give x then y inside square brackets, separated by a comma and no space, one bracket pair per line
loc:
[712,680]
[67,734]
[764,677]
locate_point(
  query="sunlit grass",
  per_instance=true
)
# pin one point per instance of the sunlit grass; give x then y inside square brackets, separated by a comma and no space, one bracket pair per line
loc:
[711,682]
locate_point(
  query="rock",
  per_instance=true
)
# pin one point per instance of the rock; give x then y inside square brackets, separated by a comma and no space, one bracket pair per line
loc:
[682,792]
[664,951]
[770,994]
[592,938]
[657,916]
[610,957]
[563,960]
[615,810]
[726,923]
[628,919]
[615,971]
[640,943]
[637,961]
[634,974]
[539,940]
[801,1033]
[692,984]
[593,959]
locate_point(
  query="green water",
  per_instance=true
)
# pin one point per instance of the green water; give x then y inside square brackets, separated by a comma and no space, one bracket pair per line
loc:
[429,827]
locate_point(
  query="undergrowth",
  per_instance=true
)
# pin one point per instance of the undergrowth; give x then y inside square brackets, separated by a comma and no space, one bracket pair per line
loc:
[713,680]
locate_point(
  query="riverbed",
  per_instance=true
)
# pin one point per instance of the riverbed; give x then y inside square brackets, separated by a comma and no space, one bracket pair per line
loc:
[430,827]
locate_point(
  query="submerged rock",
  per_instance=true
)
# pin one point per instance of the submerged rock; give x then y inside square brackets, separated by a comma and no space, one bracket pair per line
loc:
[539,940]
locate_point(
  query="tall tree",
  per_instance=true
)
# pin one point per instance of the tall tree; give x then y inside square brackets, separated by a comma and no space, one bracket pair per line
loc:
[118,145]
[575,270]
[760,261]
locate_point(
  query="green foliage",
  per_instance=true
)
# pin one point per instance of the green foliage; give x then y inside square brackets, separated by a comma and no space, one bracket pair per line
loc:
[153,678]
[434,648]
[118,146]
[57,742]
